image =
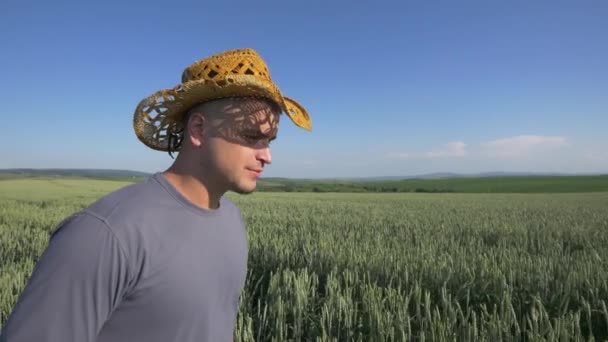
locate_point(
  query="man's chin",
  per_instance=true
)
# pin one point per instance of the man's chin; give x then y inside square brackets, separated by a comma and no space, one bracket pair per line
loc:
[244,189]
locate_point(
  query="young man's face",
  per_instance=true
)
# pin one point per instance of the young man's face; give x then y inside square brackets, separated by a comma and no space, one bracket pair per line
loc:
[236,142]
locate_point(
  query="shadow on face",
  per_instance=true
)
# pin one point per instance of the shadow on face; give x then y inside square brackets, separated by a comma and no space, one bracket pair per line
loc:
[249,122]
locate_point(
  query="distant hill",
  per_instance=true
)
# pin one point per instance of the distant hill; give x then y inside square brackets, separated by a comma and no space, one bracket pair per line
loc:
[462,184]
[88,173]
[491,182]
[110,173]
[443,175]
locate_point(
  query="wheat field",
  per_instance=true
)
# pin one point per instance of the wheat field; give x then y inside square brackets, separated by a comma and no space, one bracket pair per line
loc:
[380,267]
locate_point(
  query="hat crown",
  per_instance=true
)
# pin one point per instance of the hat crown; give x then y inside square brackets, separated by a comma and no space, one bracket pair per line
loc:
[222,65]
[233,73]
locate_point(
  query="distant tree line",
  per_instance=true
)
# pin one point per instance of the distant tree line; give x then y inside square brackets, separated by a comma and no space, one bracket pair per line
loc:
[515,184]
[348,187]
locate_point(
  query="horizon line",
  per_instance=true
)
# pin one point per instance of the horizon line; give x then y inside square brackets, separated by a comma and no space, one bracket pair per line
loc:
[443,174]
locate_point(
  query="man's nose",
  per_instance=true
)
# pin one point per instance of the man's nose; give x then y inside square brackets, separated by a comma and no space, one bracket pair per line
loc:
[263,155]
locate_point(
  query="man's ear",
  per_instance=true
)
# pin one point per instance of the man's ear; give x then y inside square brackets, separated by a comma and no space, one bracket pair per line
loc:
[195,127]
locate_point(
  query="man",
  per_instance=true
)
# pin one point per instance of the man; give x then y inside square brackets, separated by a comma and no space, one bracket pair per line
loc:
[165,259]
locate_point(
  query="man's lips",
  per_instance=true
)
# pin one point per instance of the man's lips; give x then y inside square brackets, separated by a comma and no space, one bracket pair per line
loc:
[256,172]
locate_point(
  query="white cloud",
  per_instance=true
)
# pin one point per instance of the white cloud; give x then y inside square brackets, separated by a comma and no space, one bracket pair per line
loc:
[451,149]
[522,146]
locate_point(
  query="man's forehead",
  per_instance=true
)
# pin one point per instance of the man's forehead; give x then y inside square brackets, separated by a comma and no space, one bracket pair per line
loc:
[252,106]
[262,121]
[246,114]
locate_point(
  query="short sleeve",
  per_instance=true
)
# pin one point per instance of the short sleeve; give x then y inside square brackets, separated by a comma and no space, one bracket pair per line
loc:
[78,281]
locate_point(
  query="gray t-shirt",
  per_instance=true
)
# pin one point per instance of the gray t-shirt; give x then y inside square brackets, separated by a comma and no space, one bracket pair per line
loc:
[140,264]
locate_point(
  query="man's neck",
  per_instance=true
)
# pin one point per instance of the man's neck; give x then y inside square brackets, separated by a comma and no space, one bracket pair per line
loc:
[192,188]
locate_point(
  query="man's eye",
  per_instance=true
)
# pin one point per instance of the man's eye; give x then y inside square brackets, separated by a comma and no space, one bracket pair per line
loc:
[257,139]
[253,139]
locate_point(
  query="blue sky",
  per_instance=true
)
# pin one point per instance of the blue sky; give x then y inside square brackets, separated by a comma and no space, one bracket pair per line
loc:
[393,88]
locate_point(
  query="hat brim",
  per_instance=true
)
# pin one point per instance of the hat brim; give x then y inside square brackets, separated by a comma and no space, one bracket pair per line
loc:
[159,115]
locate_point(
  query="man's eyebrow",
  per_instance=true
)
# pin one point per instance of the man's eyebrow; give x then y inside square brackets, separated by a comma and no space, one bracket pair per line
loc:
[261,134]
[270,136]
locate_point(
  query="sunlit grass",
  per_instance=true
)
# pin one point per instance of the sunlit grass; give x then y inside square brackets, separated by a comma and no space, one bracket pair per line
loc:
[381,267]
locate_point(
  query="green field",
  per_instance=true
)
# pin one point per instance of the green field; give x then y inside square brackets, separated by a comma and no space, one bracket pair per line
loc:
[486,184]
[502,184]
[380,267]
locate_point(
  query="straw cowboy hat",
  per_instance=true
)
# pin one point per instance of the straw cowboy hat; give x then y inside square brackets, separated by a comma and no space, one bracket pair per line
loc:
[232,73]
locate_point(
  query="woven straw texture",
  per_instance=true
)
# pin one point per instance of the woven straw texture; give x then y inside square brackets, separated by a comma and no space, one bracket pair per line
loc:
[232,73]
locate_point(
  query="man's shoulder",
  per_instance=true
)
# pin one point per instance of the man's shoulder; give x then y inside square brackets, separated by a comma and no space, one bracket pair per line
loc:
[128,199]
[137,208]
[148,208]
[130,213]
